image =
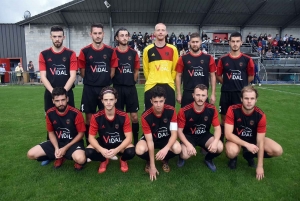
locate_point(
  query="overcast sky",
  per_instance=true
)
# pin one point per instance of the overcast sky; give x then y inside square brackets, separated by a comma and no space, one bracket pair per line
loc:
[12,11]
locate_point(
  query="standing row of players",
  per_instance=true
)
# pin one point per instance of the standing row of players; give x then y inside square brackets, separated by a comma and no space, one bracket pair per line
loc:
[99,64]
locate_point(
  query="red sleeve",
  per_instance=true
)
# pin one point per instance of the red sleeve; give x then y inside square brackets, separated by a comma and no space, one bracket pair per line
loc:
[79,122]
[93,126]
[73,62]
[212,65]
[181,119]
[114,60]
[49,124]
[179,65]
[81,60]
[137,62]
[42,63]
[215,121]
[220,68]
[174,117]
[262,125]
[145,126]
[250,68]
[229,116]
[127,127]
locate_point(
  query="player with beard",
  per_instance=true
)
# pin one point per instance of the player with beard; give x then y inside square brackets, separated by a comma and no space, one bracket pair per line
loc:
[235,70]
[194,122]
[159,62]
[125,78]
[97,63]
[195,68]
[245,127]
[115,136]
[159,125]
[58,66]
[66,128]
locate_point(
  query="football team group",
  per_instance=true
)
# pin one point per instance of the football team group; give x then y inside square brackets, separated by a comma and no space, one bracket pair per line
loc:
[110,133]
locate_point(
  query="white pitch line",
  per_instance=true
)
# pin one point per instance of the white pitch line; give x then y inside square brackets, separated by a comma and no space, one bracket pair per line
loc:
[280,91]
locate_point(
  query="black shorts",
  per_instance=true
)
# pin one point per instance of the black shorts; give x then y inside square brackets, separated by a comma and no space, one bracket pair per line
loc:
[227,99]
[32,75]
[90,99]
[199,140]
[170,96]
[49,149]
[48,103]
[158,144]
[187,98]
[127,95]
[108,145]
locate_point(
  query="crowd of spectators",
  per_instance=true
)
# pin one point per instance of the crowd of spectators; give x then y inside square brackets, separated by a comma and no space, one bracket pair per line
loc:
[274,47]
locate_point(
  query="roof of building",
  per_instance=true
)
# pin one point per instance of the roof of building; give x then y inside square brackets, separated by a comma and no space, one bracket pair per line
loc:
[241,13]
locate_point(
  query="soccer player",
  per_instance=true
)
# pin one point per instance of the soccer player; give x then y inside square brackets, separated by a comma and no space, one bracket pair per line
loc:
[58,66]
[194,122]
[65,125]
[115,135]
[125,78]
[195,68]
[97,63]
[159,62]
[159,125]
[245,127]
[235,70]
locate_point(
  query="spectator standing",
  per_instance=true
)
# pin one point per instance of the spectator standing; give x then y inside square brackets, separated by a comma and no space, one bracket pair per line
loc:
[2,73]
[31,72]
[19,70]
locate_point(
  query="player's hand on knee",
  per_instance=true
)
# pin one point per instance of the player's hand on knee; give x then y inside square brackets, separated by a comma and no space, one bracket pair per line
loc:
[57,153]
[161,154]
[191,150]
[152,173]
[252,148]
[111,153]
[260,173]
[213,147]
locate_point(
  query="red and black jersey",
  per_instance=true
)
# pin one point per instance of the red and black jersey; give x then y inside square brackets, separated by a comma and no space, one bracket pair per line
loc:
[111,132]
[246,126]
[58,65]
[159,126]
[97,65]
[65,126]
[195,69]
[235,71]
[128,61]
[196,123]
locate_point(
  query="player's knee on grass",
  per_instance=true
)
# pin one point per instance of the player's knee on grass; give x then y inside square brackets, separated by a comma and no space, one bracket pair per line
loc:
[273,148]
[232,150]
[220,147]
[79,156]
[176,148]
[141,147]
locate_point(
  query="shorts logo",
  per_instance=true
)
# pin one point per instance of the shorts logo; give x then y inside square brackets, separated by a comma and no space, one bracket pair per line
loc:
[104,56]
[117,126]
[251,122]
[205,118]
[129,58]
[202,61]
[165,120]
[68,121]
[241,64]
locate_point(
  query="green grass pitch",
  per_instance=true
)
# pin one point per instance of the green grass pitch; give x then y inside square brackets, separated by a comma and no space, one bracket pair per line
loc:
[22,125]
